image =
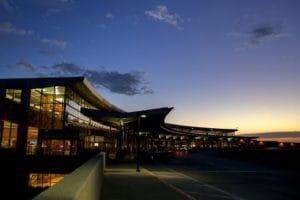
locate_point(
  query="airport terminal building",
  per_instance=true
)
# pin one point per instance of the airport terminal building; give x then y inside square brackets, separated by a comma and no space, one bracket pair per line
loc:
[62,120]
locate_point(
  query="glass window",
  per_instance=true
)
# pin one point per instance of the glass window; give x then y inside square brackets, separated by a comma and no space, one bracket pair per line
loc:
[55,178]
[48,98]
[49,102]
[32,139]
[14,95]
[13,135]
[59,147]
[9,135]
[9,94]
[44,179]
[35,99]
[59,94]
[5,135]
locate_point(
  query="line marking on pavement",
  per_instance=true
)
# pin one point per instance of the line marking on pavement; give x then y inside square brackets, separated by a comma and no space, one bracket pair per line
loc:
[171,186]
[228,171]
[207,185]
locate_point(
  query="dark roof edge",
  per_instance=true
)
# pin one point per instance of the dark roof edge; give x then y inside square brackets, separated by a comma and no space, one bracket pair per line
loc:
[200,128]
[98,96]
[40,82]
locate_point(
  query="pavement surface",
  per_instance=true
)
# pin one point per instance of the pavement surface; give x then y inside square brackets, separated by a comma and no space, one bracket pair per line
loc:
[205,176]
[201,176]
[122,182]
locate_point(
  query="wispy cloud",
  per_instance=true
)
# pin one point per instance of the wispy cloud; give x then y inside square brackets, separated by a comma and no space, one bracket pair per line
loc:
[8,28]
[8,6]
[263,33]
[161,13]
[26,65]
[56,43]
[45,46]
[254,32]
[129,83]
[66,68]
[109,16]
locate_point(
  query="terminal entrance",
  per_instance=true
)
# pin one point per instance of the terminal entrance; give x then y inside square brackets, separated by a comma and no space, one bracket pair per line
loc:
[146,132]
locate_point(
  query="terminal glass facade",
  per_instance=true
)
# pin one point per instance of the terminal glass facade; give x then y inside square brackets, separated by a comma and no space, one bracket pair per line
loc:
[73,105]
[47,107]
[44,179]
[14,95]
[9,135]
[59,147]
[32,140]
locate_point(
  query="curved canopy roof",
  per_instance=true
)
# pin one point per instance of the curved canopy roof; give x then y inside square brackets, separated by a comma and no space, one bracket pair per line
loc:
[106,113]
[148,120]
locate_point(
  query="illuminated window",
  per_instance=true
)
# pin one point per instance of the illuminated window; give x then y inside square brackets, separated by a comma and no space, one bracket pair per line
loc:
[13,94]
[35,99]
[49,102]
[9,135]
[32,137]
[13,135]
[59,147]
[59,94]
[44,179]
[5,135]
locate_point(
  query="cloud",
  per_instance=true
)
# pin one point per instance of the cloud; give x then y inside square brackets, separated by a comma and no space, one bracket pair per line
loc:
[56,43]
[26,65]
[122,83]
[161,13]
[263,33]
[8,6]
[130,83]
[109,16]
[255,30]
[67,68]
[259,34]
[8,28]
[13,35]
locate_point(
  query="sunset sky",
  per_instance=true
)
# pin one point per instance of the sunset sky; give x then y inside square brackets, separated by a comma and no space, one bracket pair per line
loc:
[223,64]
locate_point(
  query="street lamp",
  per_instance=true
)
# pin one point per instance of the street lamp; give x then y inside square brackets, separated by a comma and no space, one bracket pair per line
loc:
[138,141]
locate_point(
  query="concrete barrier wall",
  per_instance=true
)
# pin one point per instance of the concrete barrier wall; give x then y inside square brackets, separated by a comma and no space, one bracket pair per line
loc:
[83,183]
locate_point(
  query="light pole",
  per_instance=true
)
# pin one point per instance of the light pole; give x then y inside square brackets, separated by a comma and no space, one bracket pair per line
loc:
[138,141]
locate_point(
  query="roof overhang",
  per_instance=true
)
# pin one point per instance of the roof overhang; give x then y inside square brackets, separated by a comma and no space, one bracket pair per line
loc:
[79,84]
[144,120]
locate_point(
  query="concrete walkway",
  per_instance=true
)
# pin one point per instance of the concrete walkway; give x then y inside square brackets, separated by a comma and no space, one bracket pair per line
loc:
[122,182]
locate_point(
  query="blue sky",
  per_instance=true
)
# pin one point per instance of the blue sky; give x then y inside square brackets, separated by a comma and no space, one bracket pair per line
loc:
[219,63]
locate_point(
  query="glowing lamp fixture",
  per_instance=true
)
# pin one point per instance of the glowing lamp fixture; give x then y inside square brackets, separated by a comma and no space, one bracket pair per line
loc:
[143,116]
[281,144]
